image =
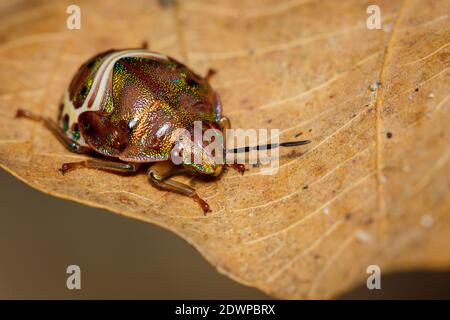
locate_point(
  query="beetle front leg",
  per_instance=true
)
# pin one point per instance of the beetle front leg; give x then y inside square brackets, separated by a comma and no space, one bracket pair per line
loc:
[160,175]
[144,45]
[210,73]
[101,165]
[225,124]
[51,125]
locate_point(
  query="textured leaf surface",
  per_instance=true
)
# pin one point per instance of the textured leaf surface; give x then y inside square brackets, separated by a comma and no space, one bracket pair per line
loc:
[372,188]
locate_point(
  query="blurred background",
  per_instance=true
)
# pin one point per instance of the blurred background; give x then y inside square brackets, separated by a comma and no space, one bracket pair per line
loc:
[122,258]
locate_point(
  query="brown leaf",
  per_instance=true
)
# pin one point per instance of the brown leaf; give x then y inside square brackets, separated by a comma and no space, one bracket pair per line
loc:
[372,188]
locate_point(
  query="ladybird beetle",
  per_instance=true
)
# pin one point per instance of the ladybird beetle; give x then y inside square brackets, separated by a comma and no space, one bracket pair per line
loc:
[125,105]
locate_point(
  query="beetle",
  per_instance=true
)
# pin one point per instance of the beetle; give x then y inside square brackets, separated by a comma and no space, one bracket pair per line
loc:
[125,105]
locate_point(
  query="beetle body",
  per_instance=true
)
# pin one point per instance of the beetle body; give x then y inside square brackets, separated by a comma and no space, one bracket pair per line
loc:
[127,104]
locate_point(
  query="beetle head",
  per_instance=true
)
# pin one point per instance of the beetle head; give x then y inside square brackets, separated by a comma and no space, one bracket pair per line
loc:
[201,152]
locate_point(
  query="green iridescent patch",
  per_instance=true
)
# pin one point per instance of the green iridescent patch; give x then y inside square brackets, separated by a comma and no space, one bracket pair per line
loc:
[75,135]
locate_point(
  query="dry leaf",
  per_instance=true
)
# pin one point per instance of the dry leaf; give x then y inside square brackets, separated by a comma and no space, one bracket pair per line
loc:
[372,188]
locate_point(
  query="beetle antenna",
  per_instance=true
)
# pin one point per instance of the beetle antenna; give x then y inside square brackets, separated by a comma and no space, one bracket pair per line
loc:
[269,146]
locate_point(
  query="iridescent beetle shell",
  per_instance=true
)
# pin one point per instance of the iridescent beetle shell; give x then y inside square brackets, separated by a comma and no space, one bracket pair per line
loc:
[126,104]
[130,105]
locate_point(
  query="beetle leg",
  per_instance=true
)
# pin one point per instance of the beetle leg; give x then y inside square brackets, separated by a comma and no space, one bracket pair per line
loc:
[210,73]
[239,167]
[225,124]
[100,164]
[144,45]
[55,129]
[160,175]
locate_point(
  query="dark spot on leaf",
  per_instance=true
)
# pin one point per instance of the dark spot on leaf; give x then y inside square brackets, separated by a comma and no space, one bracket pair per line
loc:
[367,220]
[166,3]
[389,135]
